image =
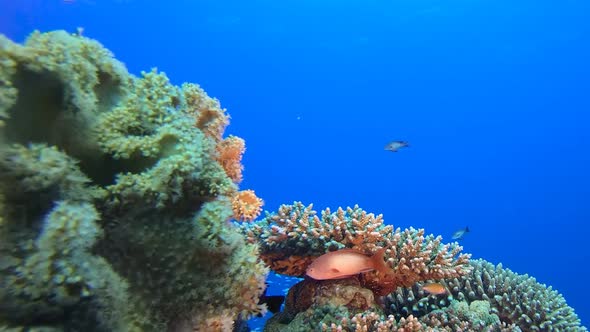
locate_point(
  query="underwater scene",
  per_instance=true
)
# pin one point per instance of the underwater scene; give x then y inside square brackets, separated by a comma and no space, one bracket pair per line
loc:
[309,165]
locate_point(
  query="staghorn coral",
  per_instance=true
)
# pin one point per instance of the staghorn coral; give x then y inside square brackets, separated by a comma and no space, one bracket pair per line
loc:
[246,205]
[293,237]
[516,299]
[296,230]
[483,298]
[414,257]
[115,212]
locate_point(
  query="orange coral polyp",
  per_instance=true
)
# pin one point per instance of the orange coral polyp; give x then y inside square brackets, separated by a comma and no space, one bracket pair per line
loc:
[246,205]
[212,122]
[229,156]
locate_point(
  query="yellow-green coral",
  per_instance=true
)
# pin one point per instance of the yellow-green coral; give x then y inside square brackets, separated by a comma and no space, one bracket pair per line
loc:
[87,70]
[209,117]
[61,273]
[114,212]
[7,91]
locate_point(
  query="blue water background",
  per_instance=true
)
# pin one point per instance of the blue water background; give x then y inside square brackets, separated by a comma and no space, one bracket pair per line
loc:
[493,96]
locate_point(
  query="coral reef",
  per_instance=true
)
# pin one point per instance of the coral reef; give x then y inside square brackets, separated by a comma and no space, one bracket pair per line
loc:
[115,204]
[293,237]
[489,298]
[481,298]
[517,300]
[344,305]
[325,305]
[117,195]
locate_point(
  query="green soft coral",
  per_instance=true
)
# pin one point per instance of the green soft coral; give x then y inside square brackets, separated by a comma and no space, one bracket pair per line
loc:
[61,273]
[114,211]
[149,134]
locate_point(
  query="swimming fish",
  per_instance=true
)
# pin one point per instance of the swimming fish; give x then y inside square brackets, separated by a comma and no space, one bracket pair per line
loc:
[435,288]
[345,263]
[394,146]
[273,302]
[458,235]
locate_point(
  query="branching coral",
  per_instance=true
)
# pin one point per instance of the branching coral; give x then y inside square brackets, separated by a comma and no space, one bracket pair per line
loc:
[296,230]
[415,257]
[515,299]
[482,297]
[293,237]
[345,305]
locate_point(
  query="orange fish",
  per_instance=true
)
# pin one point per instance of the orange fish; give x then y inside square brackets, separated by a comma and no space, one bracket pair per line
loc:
[435,288]
[345,263]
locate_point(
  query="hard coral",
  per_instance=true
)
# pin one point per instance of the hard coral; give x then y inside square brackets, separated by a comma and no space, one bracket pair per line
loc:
[415,257]
[335,305]
[297,230]
[516,299]
[296,234]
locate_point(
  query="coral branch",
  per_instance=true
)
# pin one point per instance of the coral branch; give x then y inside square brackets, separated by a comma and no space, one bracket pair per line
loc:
[295,235]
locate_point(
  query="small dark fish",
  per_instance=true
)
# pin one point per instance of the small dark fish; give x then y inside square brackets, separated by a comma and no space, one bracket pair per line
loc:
[393,146]
[458,235]
[273,302]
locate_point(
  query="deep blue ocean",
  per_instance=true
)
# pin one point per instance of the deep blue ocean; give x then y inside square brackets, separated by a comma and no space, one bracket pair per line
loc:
[492,96]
